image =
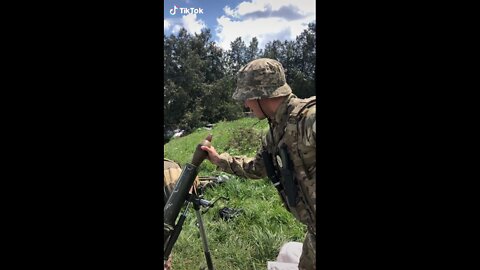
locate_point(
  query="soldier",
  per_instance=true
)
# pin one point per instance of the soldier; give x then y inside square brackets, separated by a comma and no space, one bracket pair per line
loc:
[171,173]
[287,154]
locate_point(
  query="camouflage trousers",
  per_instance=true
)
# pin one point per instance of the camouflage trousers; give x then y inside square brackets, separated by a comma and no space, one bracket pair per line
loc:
[308,258]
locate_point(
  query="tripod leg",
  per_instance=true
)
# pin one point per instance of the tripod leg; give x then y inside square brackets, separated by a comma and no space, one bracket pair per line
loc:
[172,239]
[204,240]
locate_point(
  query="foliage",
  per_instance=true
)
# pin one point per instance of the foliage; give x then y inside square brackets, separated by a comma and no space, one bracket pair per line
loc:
[254,237]
[199,76]
[244,141]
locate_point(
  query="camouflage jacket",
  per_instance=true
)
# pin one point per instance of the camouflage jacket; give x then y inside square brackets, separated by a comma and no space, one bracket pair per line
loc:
[299,137]
[171,173]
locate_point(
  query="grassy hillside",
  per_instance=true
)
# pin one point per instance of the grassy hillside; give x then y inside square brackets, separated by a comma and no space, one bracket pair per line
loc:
[254,237]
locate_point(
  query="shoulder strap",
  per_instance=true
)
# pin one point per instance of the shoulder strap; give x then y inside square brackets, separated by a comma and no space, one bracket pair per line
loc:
[294,117]
[300,106]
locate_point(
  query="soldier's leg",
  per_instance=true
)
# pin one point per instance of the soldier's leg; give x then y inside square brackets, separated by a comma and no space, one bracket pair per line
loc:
[308,258]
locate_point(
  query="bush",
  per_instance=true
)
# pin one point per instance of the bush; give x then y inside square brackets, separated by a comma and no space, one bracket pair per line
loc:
[245,141]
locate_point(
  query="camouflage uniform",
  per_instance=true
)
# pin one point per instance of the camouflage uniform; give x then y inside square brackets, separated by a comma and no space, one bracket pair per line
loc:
[293,125]
[171,173]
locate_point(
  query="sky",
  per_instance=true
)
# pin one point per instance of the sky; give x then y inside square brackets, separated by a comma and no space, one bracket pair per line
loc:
[267,20]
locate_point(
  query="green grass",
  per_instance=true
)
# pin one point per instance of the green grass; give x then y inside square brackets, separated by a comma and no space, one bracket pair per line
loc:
[251,239]
[240,137]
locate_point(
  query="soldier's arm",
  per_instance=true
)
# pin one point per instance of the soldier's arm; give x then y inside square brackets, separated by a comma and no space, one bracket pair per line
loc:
[243,166]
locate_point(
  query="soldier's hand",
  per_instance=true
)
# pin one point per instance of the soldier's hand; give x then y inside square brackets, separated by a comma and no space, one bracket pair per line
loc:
[212,154]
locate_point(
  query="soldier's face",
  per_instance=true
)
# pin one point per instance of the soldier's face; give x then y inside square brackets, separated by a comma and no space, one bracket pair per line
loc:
[252,104]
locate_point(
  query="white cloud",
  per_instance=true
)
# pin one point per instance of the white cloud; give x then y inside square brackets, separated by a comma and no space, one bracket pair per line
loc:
[191,24]
[166,25]
[229,12]
[263,5]
[267,20]
[247,7]
[176,28]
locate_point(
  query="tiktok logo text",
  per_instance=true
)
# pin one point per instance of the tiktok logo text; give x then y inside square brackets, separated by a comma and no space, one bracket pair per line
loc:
[173,10]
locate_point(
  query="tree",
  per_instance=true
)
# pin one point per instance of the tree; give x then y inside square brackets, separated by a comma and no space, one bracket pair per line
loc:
[252,51]
[215,68]
[303,73]
[273,50]
[287,58]
[237,54]
[200,77]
